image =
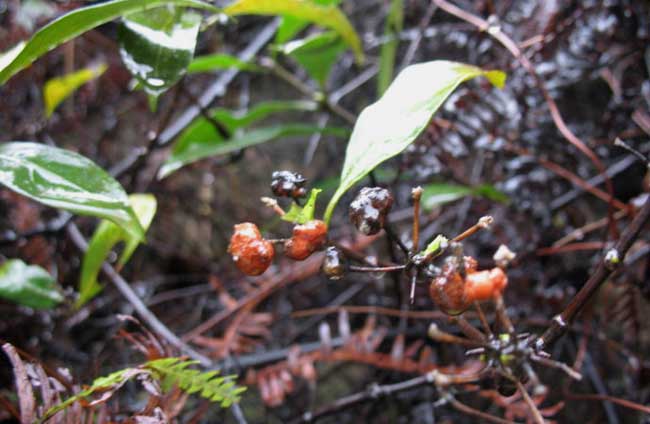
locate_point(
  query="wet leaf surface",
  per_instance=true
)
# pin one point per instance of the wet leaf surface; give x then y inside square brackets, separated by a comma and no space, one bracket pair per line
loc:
[158,45]
[28,285]
[66,180]
[390,125]
[73,24]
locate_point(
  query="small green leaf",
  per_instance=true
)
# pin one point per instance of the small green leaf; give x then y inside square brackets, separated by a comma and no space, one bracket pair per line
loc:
[28,285]
[105,238]
[58,89]
[392,28]
[158,45]
[302,214]
[438,243]
[217,62]
[66,180]
[438,194]
[326,16]
[388,126]
[316,53]
[194,151]
[73,24]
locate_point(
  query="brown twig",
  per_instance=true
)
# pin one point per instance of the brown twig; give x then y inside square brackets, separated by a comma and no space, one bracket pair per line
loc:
[537,416]
[607,265]
[125,289]
[461,407]
[623,402]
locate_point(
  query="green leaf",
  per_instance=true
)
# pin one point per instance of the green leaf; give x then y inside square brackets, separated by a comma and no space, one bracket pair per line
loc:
[105,238]
[58,89]
[75,23]
[217,62]
[290,26]
[438,194]
[66,180]
[28,285]
[392,28]
[157,46]
[326,16]
[388,126]
[194,151]
[302,214]
[317,54]
[438,243]
[203,132]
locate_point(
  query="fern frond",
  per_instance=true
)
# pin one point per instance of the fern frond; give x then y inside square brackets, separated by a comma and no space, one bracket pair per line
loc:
[176,372]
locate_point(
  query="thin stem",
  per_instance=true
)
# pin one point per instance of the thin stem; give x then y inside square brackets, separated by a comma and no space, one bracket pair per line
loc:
[607,265]
[394,268]
[461,407]
[483,319]
[537,416]
[483,223]
[416,193]
[125,289]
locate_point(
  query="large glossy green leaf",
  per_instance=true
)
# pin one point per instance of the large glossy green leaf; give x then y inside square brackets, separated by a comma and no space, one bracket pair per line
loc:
[389,125]
[158,45]
[290,26]
[392,28]
[58,89]
[73,24]
[203,132]
[217,62]
[195,151]
[106,236]
[28,285]
[316,53]
[326,16]
[439,193]
[66,180]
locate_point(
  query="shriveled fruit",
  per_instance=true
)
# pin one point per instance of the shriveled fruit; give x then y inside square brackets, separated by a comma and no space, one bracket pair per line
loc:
[251,253]
[369,209]
[448,289]
[288,184]
[454,294]
[334,265]
[306,239]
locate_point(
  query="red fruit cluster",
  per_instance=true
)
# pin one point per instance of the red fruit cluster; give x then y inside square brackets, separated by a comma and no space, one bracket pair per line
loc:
[252,253]
[306,239]
[454,294]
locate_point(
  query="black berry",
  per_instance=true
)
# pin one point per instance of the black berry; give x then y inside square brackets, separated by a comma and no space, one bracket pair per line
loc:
[288,184]
[369,209]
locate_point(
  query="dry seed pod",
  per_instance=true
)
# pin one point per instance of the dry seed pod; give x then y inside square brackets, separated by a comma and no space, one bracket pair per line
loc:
[288,184]
[306,239]
[334,265]
[369,209]
[251,253]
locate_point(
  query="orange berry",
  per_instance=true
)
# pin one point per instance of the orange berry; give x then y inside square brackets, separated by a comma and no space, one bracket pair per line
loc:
[251,253]
[448,289]
[306,239]
[485,285]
